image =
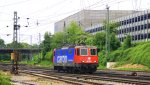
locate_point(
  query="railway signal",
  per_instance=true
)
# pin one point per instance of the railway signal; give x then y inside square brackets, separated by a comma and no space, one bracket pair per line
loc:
[15,54]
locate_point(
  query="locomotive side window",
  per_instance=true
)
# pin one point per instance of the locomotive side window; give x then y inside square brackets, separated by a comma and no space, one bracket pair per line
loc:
[93,52]
[69,51]
[57,52]
[84,52]
[63,52]
[78,51]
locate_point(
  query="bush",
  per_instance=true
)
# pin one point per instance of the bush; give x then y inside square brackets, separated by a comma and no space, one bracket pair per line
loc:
[102,58]
[49,56]
[4,80]
[135,55]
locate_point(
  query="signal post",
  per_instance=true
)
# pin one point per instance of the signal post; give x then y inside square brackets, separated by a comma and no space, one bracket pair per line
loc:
[15,54]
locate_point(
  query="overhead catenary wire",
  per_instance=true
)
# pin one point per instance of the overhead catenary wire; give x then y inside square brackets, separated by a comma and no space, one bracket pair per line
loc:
[15,3]
[65,13]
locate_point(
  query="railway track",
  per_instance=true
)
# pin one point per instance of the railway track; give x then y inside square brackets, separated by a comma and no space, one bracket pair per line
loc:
[60,77]
[98,78]
[95,79]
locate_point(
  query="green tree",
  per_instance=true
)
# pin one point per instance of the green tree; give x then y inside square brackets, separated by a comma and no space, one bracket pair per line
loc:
[99,40]
[46,44]
[18,45]
[75,34]
[25,45]
[90,40]
[2,44]
[114,42]
[58,40]
[111,33]
[127,42]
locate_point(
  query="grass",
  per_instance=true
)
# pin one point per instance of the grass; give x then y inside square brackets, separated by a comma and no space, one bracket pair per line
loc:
[135,69]
[44,63]
[101,67]
[5,61]
[5,79]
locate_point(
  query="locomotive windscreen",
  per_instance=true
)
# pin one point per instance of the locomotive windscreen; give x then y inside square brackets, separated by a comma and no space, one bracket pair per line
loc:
[93,52]
[84,51]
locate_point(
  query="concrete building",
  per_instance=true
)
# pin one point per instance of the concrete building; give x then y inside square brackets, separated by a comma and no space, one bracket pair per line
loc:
[87,18]
[136,24]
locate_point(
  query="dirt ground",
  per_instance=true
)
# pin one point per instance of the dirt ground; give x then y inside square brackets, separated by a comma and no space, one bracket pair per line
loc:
[24,79]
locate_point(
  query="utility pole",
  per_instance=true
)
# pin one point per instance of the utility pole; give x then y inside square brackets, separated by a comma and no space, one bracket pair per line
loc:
[31,56]
[107,33]
[39,44]
[15,54]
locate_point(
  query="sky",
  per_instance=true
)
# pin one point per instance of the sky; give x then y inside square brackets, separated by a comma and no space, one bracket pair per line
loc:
[47,12]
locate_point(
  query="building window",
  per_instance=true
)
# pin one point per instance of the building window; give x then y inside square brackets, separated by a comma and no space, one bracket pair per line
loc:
[94,30]
[142,26]
[119,31]
[139,28]
[142,36]
[148,25]
[124,22]
[135,37]
[142,18]
[145,16]
[145,36]
[148,35]
[98,29]
[90,31]
[135,19]
[132,37]
[138,18]
[145,26]
[122,31]
[135,28]
[148,15]
[127,30]
[128,21]
[139,37]
[132,29]
[132,20]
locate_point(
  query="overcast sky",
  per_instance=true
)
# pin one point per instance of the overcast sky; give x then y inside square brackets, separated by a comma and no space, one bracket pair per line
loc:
[47,12]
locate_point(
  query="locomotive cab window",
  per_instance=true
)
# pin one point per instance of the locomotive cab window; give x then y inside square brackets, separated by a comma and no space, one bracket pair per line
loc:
[70,52]
[63,52]
[78,52]
[84,51]
[93,52]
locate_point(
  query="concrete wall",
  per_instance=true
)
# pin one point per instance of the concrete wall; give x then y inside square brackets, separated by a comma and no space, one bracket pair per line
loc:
[87,18]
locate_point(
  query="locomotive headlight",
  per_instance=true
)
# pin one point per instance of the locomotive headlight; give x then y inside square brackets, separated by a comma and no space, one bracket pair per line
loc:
[83,61]
[94,61]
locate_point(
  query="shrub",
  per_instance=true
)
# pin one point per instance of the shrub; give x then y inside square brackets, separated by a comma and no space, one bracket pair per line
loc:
[4,79]
[135,55]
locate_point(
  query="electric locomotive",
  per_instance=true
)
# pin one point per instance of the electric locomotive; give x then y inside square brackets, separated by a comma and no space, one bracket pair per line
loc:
[81,59]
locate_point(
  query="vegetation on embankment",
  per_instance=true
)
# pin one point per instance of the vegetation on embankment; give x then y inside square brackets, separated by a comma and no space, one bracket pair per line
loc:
[4,79]
[138,54]
[38,61]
